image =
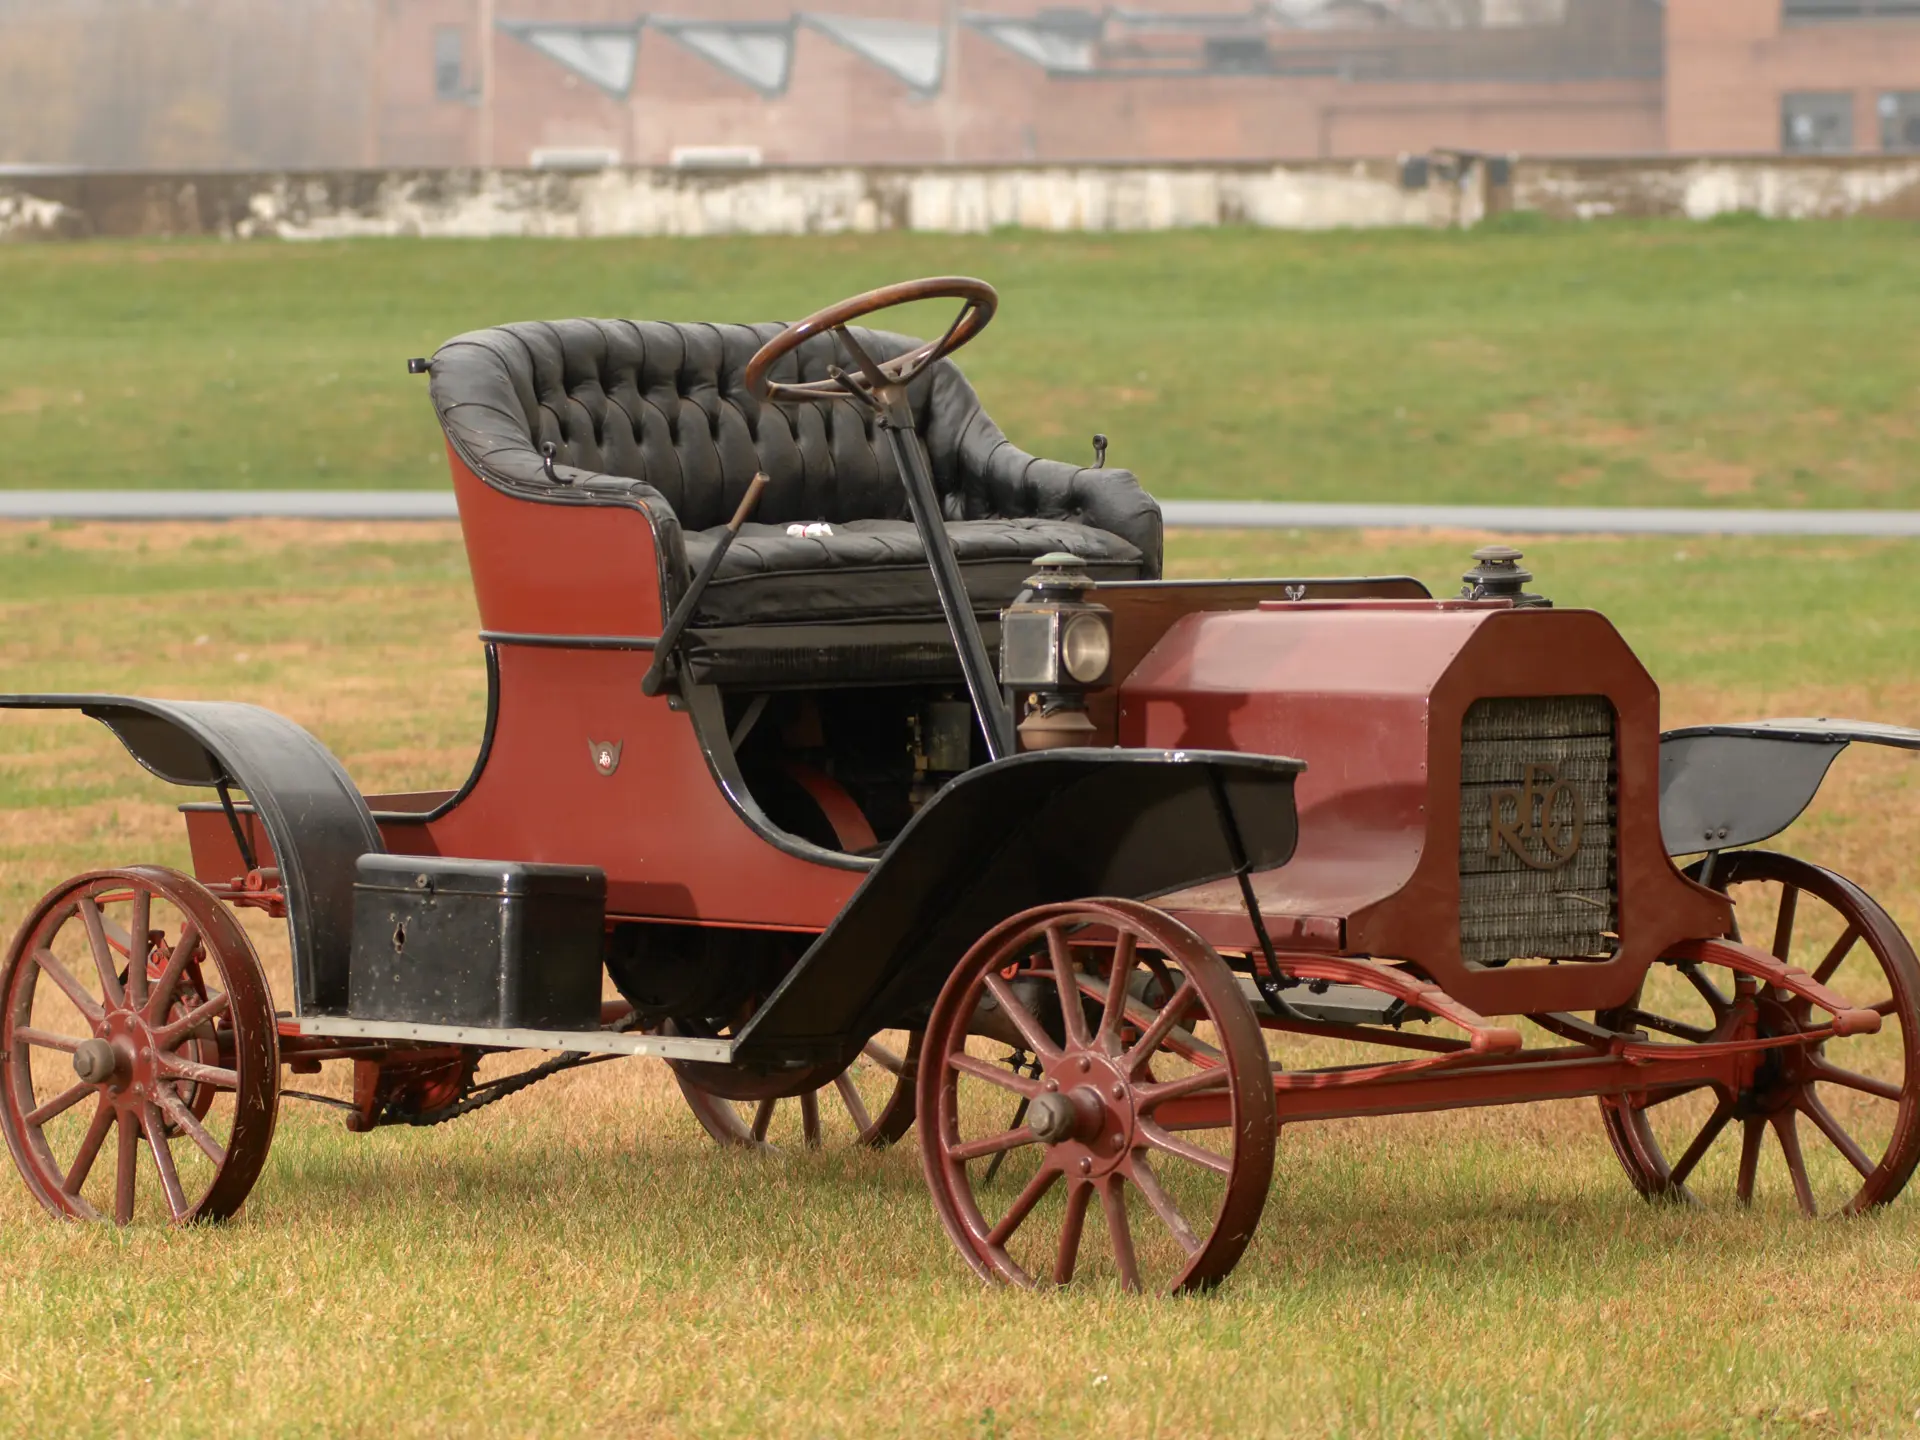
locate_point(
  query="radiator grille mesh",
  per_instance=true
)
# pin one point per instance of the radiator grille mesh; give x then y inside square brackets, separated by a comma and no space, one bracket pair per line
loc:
[1538,850]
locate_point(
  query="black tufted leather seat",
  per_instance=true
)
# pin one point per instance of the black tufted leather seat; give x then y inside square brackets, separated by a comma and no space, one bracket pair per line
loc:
[658,410]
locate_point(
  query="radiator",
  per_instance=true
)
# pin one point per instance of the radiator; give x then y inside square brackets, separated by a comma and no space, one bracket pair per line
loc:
[1538,830]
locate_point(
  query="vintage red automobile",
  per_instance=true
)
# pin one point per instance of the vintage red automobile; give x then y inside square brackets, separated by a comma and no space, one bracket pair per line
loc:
[872,761]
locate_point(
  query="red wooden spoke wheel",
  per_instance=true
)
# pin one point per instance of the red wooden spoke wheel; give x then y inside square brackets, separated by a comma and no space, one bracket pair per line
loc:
[870,1103]
[1843,1113]
[1153,1103]
[133,1009]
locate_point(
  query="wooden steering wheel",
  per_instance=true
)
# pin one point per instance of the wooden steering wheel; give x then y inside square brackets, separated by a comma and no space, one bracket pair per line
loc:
[979,301]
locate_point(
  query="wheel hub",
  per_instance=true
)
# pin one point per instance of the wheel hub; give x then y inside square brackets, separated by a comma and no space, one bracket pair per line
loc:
[1778,1075]
[1085,1113]
[101,1062]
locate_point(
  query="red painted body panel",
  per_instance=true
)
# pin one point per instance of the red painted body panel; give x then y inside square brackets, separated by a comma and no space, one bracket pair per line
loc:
[554,568]
[1372,694]
[660,825]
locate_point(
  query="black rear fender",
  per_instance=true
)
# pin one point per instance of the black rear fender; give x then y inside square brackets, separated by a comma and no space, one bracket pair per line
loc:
[1723,786]
[313,814]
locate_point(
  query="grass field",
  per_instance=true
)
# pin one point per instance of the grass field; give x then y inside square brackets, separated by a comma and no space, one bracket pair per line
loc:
[1735,363]
[581,1260]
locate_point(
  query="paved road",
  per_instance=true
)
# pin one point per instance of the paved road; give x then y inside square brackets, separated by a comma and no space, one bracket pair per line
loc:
[1212,514]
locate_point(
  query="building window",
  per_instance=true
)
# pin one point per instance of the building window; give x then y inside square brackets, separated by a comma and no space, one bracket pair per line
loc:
[449,63]
[1237,54]
[1900,120]
[1816,122]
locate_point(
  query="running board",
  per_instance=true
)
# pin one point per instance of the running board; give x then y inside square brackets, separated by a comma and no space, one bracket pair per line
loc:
[583,1042]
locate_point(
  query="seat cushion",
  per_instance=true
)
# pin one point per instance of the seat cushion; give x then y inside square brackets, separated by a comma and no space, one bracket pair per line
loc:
[877,569]
[660,413]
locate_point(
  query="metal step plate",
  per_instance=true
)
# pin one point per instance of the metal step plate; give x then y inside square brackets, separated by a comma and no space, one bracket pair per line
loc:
[585,1042]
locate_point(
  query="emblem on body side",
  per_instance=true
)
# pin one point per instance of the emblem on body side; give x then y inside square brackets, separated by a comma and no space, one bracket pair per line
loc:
[606,754]
[1541,820]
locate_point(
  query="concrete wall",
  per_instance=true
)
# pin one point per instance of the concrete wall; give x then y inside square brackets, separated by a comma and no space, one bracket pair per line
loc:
[791,201]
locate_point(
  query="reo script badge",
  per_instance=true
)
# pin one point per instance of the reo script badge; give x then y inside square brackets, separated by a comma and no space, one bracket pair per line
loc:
[606,755]
[1539,821]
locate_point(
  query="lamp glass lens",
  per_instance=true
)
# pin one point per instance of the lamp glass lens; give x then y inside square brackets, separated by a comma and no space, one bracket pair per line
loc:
[1085,648]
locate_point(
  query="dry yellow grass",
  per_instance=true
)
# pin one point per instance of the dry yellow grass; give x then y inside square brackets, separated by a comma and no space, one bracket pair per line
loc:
[581,1260]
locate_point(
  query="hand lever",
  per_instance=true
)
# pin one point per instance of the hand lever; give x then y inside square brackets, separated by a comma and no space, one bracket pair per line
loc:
[683,612]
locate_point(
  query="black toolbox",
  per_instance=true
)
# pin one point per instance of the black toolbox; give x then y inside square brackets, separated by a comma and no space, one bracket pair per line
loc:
[494,943]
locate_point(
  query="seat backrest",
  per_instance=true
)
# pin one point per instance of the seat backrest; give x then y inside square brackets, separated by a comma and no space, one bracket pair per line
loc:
[665,403]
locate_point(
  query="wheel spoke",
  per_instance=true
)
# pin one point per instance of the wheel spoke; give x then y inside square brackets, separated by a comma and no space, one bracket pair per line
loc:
[1148,1098]
[1707,990]
[856,1107]
[138,926]
[161,995]
[994,1144]
[884,1058]
[1114,1201]
[1119,987]
[1070,1231]
[59,1105]
[763,1117]
[1022,1206]
[1188,1046]
[986,1070]
[1019,1117]
[1783,922]
[1182,1149]
[75,992]
[1073,1013]
[127,1175]
[102,952]
[1679,1029]
[1750,1137]
[47,1039]
[810,1118]
[1815,1110]
[83,1158]
[1162,1203]
[1703,1142]
[156,1132]
[1885,1089]
[1674,1094]
[178,1111]
[1177,1005]
[1023,1019]
[1182,1041]
[1789,1133]
[173,1065]
[168,1036]
[1841,948]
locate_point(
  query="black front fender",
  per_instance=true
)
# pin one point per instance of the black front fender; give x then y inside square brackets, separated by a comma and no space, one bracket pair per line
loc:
[1024,831]
[1723,786]
[312,812]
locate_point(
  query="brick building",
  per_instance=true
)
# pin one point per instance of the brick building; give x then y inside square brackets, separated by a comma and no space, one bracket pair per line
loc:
[181,84]
[913,81]
[1803,75]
